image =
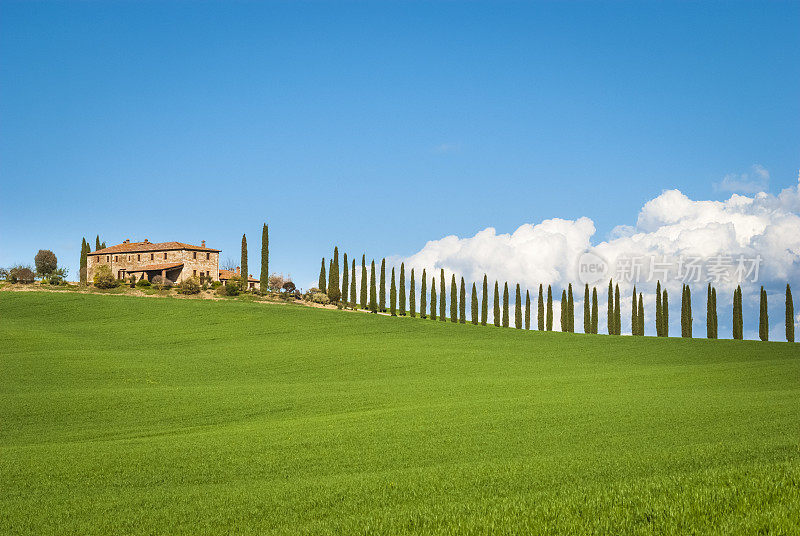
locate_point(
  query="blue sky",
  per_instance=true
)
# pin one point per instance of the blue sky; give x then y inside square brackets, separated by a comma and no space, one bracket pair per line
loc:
[377,126]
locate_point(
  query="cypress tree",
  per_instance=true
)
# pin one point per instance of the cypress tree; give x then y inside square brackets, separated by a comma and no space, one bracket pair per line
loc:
[373,298]
[518,309]
[382,289]
[423,296]
[665,315]
[97,243]
[564,312]
[505,304]
[617,312]
[345,280]
[322,277]
[245,271]
[485,302]
[265,259]
[610,320]
[330,274]
[496,309]
[474,303]
[412,306]
[402,296]
[334,291]
[540,310]
[709,314]
[453,300]
[587,311]
[715,323]
[393,296]
[595,312]
[763,318]
[364,283]
[634,318]
[527,310]
[570,310]
[462,304]
[442,297]
[640,316]
[549,320]
[688,311]
[83,260]
[433,298]
[740,317]
[353,300]
[658,310]
[737,314]
[789,314]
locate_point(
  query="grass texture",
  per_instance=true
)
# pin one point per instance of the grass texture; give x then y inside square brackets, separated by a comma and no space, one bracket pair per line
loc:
[123,415]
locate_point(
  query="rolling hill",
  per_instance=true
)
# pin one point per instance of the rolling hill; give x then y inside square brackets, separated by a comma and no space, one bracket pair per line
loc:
[122,415]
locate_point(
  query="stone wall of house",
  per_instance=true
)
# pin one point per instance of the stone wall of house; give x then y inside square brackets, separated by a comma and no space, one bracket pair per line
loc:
[194,262]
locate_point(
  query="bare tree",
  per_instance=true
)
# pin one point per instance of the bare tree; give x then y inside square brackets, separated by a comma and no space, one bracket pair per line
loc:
[276,281]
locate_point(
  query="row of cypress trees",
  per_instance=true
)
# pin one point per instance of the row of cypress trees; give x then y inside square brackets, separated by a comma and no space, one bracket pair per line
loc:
[433,304]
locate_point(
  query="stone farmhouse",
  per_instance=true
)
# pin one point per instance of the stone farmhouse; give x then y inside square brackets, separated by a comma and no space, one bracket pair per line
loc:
[175,261]
[252,283]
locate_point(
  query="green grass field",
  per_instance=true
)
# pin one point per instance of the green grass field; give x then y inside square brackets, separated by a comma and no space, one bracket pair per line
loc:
[123,415]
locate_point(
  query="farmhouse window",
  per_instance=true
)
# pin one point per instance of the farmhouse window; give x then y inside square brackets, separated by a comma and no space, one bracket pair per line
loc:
[194,254]
[194,272]
[152,256]
[165,255]
[208,256]
[138,257]
[108,258]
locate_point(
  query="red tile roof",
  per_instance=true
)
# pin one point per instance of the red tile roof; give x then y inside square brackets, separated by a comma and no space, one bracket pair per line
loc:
[132,247]
[149,267]
[227,274]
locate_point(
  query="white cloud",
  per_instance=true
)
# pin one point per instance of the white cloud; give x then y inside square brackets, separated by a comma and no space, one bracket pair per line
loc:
[754,181]
[669,228]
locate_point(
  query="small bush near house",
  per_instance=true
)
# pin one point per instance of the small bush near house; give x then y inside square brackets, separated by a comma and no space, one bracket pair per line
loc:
[103,278]
[190,286]
[216,284]
[3,273]
[143,283]
[161,283]
[230,289]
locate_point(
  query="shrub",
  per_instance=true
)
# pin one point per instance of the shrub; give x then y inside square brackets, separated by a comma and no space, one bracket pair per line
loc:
[45,261]
[143,283]
[161,282]
[216,284]
[3,273]
[190,286]
[103,278]
[56,279]
[21,274]
[231,288]
[318,297]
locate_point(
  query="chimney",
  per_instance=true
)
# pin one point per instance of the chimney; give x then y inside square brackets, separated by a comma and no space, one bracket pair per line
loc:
[238,268]
[146,241]
[203,244]
[127,241]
